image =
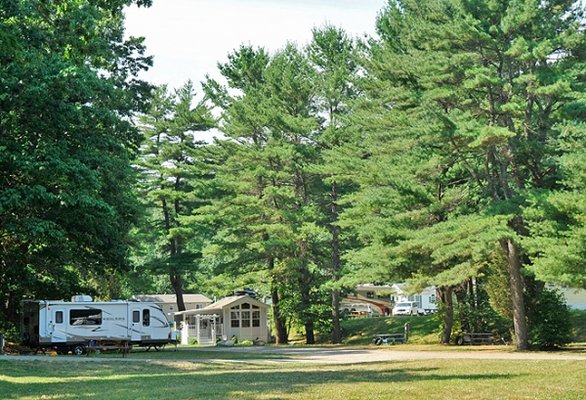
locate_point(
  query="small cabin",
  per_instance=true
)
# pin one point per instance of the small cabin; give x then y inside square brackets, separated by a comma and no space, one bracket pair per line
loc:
[243,317]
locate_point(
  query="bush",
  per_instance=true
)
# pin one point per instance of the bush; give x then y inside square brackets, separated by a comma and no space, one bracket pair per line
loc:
[550,323]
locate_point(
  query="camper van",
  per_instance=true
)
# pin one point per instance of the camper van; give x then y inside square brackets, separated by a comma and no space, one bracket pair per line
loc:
[71,325]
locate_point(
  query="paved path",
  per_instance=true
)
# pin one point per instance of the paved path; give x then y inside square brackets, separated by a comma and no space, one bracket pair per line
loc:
[325,356]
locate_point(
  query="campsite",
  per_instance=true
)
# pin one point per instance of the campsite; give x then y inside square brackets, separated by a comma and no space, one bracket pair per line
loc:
[284,199]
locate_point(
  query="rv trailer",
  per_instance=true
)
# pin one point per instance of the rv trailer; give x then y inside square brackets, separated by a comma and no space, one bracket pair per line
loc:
[73,325]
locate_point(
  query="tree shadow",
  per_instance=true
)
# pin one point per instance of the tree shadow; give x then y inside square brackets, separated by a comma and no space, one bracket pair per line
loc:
[209,381]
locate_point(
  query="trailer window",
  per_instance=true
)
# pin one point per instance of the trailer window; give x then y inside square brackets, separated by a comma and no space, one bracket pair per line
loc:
[146,317]
[85,317]
[59,317]
[136,316]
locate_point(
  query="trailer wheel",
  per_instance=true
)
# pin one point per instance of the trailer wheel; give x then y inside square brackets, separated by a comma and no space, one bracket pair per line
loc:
[78,350]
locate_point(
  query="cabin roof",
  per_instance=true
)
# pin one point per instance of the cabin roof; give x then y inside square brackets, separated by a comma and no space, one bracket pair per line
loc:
[224,303]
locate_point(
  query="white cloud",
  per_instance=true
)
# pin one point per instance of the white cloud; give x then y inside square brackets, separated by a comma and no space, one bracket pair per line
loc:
[189,37]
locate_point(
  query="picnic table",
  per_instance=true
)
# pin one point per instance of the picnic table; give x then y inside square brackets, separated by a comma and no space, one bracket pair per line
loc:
[389,338]
[98,346]
[475,338]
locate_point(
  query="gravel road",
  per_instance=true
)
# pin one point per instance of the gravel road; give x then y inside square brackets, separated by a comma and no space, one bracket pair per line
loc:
[324,356]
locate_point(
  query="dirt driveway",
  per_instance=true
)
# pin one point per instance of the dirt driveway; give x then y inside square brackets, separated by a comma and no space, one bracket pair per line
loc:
[329,355]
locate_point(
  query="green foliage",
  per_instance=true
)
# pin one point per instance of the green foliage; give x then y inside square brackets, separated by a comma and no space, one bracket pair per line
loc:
[176,178]
[551,322]
[468,140]
[477,315]
[578,318]
[557,219]
[497,285]
[69,90]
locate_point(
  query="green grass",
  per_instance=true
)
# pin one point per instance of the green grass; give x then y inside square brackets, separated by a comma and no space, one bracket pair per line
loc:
[197,353]
[423,330]
[436,379]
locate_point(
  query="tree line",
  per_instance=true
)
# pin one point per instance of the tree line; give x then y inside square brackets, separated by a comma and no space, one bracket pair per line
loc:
[449,150]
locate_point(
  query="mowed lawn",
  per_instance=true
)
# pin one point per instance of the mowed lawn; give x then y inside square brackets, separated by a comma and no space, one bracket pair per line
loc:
[425,379]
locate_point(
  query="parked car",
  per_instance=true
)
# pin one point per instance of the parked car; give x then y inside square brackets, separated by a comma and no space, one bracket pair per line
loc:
[406,308]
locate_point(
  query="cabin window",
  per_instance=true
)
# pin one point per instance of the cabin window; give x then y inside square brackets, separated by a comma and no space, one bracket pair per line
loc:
[246,319]
[235,319]
[59,317]
[136,316]
[85,317]
[146,317]
[256,319]
[245,306]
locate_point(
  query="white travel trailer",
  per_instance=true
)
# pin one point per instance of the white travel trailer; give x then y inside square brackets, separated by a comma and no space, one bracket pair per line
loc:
[71,326]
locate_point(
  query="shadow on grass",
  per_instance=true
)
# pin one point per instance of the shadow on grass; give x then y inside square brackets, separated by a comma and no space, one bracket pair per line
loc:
[140,381]
[211,353]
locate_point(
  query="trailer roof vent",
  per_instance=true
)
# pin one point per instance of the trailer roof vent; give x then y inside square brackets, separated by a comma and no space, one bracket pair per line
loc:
[79,298]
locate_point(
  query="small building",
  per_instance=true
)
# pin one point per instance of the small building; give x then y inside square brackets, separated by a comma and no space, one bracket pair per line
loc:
[243,317]
[168,302]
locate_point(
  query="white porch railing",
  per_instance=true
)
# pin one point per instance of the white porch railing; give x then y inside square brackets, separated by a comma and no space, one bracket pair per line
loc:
[205,330]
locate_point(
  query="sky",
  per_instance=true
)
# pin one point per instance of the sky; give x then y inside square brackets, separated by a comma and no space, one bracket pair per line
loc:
[189,37]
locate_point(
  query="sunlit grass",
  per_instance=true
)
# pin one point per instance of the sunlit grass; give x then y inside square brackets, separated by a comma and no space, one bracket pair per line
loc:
[429,379]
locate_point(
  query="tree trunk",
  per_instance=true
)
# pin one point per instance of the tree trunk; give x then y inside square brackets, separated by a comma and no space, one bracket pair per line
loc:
[280,323]
[174,277]
[304,288]
[517,287]
[336,330]
[445,296]
[309,332]
[177,284]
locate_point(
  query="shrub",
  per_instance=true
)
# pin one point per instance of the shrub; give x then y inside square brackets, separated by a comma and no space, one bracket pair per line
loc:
[550,323]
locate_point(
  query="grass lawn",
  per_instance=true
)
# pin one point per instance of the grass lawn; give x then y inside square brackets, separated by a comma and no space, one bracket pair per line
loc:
[423,330]
[430,379]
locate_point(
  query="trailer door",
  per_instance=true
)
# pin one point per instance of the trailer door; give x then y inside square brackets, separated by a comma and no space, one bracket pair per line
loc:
[135,325]
[57,325]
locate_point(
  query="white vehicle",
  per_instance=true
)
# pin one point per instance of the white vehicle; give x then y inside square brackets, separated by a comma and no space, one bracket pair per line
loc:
[406,308]
[71,326]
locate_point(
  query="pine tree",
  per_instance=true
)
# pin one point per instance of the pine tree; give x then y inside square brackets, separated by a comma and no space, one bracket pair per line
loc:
[173,165]
[331,53]
[469,95]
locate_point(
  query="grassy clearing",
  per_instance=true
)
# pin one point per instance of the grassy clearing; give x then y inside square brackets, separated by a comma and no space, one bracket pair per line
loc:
[438,379]
[423,330]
